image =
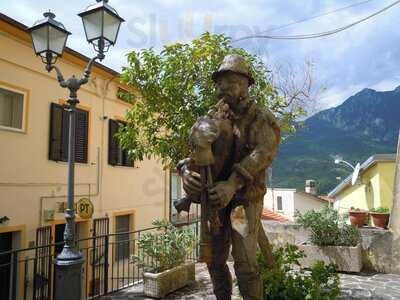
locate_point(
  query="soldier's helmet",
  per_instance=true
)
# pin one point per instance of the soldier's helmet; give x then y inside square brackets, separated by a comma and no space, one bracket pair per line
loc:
[236,64]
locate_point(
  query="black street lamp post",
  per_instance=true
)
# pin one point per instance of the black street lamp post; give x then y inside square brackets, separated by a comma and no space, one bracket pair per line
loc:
[101,23]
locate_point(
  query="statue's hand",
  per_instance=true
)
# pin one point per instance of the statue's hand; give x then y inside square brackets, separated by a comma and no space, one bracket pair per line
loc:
[221,194]
[191,182]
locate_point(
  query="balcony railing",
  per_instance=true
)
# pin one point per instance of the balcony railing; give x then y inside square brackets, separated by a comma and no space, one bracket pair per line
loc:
[29,273]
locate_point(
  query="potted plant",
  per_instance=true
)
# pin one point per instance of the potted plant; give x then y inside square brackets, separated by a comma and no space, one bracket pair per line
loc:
[380,216]
[163,255]
[358,217]
[331,240]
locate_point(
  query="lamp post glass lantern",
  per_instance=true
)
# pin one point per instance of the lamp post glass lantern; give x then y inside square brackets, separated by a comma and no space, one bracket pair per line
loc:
[101,23]
[49,37]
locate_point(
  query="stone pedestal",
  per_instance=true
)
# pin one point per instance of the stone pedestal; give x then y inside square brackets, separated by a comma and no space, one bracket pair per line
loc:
[68,279]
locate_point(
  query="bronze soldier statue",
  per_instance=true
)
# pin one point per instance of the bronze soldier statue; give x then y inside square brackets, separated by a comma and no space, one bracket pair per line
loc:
[236,195]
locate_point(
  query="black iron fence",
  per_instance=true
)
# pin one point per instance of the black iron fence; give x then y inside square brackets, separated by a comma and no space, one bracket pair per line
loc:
[28,274]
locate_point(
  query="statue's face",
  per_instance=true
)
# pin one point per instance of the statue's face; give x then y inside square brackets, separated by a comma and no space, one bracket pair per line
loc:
[232,87]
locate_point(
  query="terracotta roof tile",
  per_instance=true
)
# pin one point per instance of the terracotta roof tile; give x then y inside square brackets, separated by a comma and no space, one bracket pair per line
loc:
[270,215]
[327,198]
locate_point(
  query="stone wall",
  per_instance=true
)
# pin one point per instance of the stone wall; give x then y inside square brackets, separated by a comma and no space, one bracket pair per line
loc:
[376,244]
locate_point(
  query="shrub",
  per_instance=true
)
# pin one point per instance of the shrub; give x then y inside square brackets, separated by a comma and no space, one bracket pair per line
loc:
[328,229]
[164,248]
[349,235]
[289,281]
[380,209]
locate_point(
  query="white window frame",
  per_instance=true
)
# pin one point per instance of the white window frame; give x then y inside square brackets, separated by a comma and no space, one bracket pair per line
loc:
[24,109]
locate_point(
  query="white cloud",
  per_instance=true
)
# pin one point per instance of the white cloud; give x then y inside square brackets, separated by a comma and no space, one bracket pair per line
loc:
[335,96]
[387,84]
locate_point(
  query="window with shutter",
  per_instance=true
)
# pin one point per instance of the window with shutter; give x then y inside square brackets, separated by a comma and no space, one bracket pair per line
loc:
[116,155]
[113,143]
[59,131]
[81,136]
[56,114]
[64,135]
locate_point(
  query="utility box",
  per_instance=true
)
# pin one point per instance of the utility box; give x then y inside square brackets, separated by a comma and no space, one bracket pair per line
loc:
[61,207]
[48,214]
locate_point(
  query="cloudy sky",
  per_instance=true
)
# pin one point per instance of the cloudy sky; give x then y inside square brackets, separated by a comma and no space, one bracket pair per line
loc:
[367,55]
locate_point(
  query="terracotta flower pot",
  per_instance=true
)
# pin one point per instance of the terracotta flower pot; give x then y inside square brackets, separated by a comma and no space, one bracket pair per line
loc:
[380,220]
[358,218]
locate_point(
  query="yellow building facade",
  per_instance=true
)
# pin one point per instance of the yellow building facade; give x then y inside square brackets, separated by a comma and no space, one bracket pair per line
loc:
[33,177]
[374,187]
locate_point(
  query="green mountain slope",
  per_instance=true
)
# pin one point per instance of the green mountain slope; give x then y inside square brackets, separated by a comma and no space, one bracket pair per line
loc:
[365,124]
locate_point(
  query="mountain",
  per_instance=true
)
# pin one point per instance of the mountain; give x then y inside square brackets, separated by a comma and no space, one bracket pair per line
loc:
[365,124]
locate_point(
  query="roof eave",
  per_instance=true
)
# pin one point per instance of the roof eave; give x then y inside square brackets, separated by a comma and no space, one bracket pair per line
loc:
[368,163]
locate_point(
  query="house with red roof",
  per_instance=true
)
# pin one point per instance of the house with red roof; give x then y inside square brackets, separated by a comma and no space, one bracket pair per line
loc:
[281,204]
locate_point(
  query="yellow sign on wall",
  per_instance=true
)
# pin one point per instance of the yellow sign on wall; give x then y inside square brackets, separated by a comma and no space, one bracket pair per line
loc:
[84,208]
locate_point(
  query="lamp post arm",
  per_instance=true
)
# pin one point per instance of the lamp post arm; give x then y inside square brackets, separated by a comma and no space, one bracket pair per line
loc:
[347,164]
[88,70]
[60,76]
[73,83]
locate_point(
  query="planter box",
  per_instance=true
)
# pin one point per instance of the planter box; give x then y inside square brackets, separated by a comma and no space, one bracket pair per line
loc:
[347,259]
[158,285]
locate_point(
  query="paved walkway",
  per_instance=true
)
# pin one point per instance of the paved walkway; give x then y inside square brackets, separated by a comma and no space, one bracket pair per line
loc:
[199,290]
[370,286]
[354,287]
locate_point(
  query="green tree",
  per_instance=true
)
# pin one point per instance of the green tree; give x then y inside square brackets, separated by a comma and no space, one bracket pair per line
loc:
[174,87]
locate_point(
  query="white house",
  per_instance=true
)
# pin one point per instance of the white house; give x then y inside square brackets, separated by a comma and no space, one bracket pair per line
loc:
[286,202]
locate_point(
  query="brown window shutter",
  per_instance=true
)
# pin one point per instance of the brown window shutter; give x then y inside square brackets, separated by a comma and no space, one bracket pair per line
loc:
[59,133]
[81,136]
[55,142]
[117,156]
[64,135]
[127,161]
[113,145]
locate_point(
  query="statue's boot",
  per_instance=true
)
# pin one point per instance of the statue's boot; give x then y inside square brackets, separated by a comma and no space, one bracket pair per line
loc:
[222,281]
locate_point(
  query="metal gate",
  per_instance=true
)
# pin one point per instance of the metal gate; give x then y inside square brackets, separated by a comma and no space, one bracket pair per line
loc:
[42,265]
[99,258]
